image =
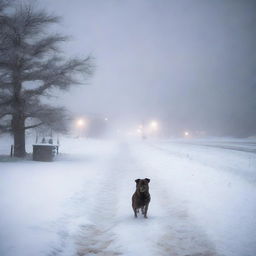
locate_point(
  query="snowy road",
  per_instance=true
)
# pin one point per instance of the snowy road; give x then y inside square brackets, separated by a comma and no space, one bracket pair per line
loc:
[203,202]
[169,231]
[237,146]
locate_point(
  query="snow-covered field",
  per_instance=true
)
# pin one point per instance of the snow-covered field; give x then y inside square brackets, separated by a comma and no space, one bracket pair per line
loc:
[203,199]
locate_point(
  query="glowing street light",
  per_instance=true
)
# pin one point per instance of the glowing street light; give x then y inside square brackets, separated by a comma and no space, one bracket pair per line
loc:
[186,134]
[80,122]
[81,125]
[154,125]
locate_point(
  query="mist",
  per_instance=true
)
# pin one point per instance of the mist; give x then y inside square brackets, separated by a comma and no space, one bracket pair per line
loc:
[128,127]
[190,65]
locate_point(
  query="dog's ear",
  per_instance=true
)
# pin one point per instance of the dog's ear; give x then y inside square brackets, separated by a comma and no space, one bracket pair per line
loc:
[137,181]
[148,180]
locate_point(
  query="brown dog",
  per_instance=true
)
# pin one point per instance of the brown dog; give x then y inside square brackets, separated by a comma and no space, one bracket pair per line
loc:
[141,197]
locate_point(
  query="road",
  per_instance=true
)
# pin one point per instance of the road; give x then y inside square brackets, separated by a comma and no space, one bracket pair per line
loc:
[169,230]
[230,145]
[203,201]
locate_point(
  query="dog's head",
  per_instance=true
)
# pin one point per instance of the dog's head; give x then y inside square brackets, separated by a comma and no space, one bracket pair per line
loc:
[142,185]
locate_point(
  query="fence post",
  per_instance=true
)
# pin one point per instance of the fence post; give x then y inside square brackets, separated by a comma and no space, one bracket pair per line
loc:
[11,150]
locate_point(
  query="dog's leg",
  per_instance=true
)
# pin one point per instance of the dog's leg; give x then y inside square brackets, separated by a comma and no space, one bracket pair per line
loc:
[135,212]
[145,211]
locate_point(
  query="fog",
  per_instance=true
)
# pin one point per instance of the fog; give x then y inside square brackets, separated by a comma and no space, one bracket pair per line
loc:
[191,65]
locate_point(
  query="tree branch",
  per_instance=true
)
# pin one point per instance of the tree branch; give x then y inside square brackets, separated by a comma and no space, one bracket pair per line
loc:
[33,126]
[46,44]
[60,75]
[5,114]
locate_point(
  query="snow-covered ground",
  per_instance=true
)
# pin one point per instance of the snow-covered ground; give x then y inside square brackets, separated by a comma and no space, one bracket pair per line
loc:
[203,199]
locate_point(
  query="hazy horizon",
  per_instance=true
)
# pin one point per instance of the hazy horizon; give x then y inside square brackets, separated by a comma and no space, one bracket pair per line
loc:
[189,64]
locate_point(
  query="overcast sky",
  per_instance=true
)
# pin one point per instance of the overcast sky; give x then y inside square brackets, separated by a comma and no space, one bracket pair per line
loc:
[191,64]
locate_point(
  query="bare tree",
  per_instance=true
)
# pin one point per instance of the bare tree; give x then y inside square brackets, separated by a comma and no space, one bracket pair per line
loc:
[31,64]
[3,5]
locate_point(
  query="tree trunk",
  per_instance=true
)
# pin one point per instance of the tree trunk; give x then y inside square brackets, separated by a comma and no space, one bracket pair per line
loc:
[18,119]
[18,128]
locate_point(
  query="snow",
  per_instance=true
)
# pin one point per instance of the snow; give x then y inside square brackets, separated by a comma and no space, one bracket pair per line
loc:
[203,199]
[221,203]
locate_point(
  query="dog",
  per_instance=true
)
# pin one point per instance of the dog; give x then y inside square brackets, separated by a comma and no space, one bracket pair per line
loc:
[141,197]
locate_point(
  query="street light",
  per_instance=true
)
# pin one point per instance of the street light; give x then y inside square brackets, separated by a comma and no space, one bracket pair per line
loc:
[186,134]
[80,122]
[154,125]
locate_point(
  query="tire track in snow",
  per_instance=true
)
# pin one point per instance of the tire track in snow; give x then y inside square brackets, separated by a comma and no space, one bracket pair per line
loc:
[97,238]
[180,237]
[177,234]
[83,229]
[94,240]
[218,201]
